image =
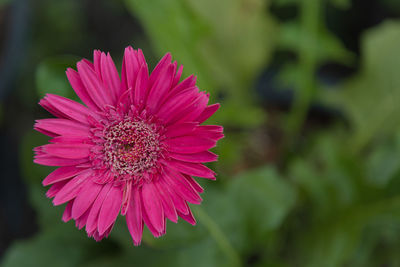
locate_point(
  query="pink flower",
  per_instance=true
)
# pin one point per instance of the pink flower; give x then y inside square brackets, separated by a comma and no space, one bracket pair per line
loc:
[133,148]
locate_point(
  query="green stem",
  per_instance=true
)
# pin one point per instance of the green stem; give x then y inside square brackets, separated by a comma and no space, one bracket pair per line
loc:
[309,16]
[218,236]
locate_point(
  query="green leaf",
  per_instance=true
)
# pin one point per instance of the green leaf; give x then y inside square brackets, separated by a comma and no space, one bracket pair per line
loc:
[371,98]
[62,245]
[51,77]
[224,43]
[263,199]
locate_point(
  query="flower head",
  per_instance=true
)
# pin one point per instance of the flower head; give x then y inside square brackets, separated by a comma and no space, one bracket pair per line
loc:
[132,149]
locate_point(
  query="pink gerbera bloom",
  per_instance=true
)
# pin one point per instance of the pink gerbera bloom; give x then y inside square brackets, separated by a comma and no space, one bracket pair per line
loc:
[133,148]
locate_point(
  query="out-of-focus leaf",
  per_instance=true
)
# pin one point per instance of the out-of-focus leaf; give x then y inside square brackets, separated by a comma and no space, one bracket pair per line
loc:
[334,241]
[327,46]
[371,98]
[60,246]
[384,162]
[343,4]
[325,178]
[262,199]
[225,43]
[51,78]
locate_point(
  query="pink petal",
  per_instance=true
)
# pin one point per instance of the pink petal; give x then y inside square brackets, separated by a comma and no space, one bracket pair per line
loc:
[188,217]
[189,144]
[181,186]
[180,129]
[209,131]
[81,221]
[72,188]
[162,64]
[110,209]
[134,217]
[208,112]
[49,160]
[67,212]
[62,127]
[160,88]
[96,62]
[85,199]
[177,76]
[173,106]
[194,184]
[110,77]
[68,151]
[153,207]
[203,156]
[167,204]
[195,169]
[177,200]
[69,109]
[92,222]
[194,110]
[80,89]
[94,85]
[130,68]
[71,140]
[55,188]
[61,174]
[186,83]
[140,92]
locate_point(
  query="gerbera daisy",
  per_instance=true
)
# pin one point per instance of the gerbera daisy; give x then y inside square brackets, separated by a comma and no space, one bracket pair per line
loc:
[132,149]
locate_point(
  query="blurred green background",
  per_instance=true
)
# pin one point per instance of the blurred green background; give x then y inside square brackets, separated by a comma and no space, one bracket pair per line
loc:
[309,170]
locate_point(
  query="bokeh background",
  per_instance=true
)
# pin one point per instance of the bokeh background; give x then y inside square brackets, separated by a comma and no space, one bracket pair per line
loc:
[309,170]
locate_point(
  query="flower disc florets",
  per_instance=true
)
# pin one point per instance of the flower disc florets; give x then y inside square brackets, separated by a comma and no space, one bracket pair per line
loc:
[131,147]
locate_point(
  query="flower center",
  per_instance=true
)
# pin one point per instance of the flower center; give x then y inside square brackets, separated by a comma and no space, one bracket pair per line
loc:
[131,147]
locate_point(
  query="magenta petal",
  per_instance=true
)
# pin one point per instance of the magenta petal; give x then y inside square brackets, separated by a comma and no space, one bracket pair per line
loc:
[68,151]
[110,209]
[195,169]
[186,83]
[134,217]
[199,157]
[94,85]
[69,108]
[189,144]
[208,112]
[162,64]
[85,199]
[177,200]
[177,76]
[92,222]
[153,207]
[80,89]
[173,106]
[130,68]
[67,212]
[181,186]
[168,205]
[49,160]
[180,129]
[110,77]
[72,188]
[160,89]
[188,217]
[62,127]
[61,174]
[194,184]
[140,92]
[55,188]
[81,221]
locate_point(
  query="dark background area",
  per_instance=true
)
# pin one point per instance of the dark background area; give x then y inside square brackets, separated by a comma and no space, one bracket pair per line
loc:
[309,170]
